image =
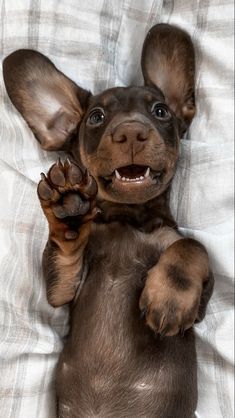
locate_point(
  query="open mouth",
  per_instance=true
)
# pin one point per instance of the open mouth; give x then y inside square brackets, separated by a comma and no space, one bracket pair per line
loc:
[133,183]
[136,174]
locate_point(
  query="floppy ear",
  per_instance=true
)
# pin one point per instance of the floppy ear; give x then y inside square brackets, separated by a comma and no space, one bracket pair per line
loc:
[168,62]
[51,103]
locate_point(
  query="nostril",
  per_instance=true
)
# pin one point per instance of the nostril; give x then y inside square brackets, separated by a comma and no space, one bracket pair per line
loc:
[141,136]
[119,138]
[123,138]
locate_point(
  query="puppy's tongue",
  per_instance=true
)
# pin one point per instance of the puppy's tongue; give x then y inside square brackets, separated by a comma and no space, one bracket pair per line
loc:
[132,171]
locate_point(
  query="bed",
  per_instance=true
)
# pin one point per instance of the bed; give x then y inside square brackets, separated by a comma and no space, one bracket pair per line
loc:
[98,45]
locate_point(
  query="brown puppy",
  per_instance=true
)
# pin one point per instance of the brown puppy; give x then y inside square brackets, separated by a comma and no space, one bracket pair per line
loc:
[114,250]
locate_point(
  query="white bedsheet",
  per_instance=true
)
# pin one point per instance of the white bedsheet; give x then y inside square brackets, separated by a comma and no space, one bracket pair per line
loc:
[98,44]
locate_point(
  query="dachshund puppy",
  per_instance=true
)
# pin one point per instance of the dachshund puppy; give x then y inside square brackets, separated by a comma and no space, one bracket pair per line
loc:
[134,284]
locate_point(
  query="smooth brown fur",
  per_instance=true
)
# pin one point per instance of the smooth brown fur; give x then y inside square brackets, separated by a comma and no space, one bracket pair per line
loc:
[135,285]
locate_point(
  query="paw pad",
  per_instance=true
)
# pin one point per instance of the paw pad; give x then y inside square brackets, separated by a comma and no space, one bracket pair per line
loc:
[67,190]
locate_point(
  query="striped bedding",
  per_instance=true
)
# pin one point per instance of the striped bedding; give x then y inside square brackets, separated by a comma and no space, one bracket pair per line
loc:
[98,44]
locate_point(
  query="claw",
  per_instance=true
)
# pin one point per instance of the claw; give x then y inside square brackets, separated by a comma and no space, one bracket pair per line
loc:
[162,335]
[182,332]
[96,211]
[91,216]
[67,164]
[164,331]
[59,163]
[143,313]
[162,324]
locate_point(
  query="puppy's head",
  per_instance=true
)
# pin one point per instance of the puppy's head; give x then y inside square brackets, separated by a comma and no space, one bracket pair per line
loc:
[128,138]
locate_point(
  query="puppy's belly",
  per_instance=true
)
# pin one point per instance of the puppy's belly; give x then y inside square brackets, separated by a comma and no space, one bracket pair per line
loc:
[113,365]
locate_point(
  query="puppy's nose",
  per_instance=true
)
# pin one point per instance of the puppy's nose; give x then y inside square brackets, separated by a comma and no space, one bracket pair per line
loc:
[130,132]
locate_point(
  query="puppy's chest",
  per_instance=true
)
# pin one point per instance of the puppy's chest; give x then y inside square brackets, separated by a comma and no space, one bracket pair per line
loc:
[122,249]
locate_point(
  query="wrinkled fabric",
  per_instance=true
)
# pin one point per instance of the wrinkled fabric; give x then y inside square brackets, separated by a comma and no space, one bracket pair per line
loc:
[98,45]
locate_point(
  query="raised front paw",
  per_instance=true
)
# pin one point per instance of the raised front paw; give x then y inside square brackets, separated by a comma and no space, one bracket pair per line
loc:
[170,300]
[67,194]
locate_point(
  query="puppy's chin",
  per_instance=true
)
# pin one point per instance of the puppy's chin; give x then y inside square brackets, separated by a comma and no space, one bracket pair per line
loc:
[131,192]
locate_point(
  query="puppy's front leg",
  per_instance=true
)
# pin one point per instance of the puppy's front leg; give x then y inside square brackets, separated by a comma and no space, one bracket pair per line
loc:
[179,286]
[67,197]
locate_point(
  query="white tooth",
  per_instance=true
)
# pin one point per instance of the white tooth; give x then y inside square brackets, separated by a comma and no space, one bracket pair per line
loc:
[141,178]
[147,172]
[123,178]
[117,175]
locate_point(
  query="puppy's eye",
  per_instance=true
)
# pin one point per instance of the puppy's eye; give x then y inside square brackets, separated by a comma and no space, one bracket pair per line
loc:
[160,111]
[96,117]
